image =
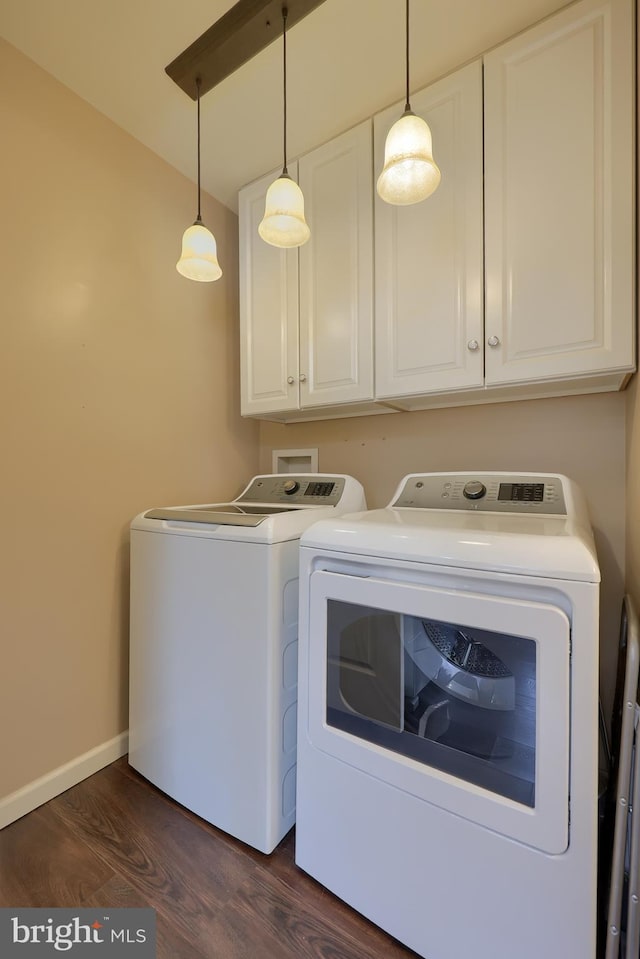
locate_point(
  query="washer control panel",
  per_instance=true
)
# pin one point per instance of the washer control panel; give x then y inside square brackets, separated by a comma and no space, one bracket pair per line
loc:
[489,492]
[295,490]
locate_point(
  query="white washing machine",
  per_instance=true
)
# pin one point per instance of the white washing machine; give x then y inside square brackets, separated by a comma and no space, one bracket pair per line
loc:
[214,648]
[448,715]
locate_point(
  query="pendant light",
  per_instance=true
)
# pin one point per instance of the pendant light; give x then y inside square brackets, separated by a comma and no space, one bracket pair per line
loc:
[199,257]
[283,223]
[410,173]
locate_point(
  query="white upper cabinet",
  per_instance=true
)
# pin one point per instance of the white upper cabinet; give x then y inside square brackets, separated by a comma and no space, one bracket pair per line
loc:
[428,256]
[268,311]
[515,279]
[336,272]
[306,315]
[559,220]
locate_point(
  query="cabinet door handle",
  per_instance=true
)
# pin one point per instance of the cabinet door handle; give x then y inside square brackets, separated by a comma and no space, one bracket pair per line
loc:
[290,380]
[303,377]
[473,345]
[493,341]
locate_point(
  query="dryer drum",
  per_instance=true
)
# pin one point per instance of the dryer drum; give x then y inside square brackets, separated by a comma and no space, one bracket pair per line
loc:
[465,652]
[465,667]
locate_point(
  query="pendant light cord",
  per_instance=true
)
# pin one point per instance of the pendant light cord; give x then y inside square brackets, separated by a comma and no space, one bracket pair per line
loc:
[407,105]
[285,172]
[198,83]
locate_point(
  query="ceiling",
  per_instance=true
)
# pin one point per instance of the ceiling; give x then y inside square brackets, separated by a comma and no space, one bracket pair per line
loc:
[345,61]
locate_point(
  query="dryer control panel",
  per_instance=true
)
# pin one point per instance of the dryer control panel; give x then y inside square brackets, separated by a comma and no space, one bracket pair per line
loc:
[533,493]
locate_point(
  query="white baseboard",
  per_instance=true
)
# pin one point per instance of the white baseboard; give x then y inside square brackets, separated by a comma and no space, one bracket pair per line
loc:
[41,790]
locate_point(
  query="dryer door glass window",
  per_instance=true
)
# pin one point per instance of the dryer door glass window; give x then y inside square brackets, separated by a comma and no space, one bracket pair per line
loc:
[460,699]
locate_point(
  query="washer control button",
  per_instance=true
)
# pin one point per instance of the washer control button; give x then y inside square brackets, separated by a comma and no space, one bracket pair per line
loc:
[291,486]
[474,490]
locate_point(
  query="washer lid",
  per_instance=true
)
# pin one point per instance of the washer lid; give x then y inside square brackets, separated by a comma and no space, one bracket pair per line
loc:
[222,514]
[273,508]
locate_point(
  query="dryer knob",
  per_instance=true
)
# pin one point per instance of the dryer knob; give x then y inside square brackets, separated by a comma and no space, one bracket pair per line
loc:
[474,490]
[291,486]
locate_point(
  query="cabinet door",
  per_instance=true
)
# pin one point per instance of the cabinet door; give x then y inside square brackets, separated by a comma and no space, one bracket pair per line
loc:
[559,126]
[336,272]
[268,311]
[428,257]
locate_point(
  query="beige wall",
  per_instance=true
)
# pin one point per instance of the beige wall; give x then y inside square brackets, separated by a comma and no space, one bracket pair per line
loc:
[118,391]
[633,494]
[583,437]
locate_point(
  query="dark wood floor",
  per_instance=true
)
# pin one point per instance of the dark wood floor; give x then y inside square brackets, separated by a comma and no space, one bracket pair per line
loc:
[114,840]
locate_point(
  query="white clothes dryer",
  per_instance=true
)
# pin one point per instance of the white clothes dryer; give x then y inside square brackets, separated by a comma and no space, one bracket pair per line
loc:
[448,715]
[213,649]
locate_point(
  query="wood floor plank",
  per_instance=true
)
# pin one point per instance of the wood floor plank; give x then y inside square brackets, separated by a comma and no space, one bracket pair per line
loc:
[234,844]
[114,840]
[187,876]
[119,894]
[43,864]
[281,865]
[141,812]
[302,925]
[343,917]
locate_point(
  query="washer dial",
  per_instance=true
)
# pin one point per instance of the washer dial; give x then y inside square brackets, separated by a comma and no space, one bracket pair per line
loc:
[474,490]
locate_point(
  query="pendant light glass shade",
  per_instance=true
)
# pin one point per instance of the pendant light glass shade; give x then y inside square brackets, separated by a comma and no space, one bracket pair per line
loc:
[410,173]
[199,256]
[284,223]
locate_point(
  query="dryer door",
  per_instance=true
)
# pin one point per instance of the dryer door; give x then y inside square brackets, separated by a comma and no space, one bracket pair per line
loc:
[460,698]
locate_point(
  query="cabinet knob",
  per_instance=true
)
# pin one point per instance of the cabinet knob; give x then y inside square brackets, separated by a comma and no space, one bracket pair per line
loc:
[290,380]
[303,377]
[473,345]
[493,341]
